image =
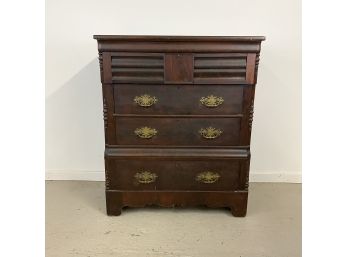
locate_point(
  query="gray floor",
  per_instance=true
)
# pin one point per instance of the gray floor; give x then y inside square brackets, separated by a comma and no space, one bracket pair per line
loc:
[76,225]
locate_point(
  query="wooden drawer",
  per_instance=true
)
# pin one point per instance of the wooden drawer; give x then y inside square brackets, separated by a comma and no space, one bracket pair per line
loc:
[174,175]
[178,131]
[178,99]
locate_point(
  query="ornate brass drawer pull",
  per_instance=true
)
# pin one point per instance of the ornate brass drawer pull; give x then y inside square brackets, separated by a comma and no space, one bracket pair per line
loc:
[210,132]
[145,177]
[145,100]
[145,132]
[211,101]
[207,177]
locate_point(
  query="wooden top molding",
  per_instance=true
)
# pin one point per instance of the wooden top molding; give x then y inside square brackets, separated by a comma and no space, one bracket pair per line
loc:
[179,43]
[178,38]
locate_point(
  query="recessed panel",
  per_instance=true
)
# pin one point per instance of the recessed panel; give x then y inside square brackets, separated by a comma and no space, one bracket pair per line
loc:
[178,68]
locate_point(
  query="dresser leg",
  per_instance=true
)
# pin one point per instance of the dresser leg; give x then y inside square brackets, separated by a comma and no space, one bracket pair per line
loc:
[113,211]
[239,208]
[113,204]
[238,212]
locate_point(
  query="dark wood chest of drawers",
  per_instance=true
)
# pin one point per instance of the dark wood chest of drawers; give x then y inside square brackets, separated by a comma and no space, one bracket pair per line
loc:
[178,115]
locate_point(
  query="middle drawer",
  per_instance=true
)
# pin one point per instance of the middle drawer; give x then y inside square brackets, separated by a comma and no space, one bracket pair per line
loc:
[178,131]
[178,99]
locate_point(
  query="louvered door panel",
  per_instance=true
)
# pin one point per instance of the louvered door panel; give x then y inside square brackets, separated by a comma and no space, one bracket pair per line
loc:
[137,67]
[220,68]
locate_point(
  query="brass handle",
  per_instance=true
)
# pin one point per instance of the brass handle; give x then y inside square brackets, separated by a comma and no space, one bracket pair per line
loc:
[145,177]
[211,101]
[207,177]
[145,100]
[210,132]
[145,132]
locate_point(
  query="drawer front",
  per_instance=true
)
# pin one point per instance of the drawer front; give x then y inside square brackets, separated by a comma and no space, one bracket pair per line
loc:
[178,99]
[174,174]
[178,131]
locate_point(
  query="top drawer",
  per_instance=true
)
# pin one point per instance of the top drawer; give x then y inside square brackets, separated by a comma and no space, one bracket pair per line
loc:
[178,68]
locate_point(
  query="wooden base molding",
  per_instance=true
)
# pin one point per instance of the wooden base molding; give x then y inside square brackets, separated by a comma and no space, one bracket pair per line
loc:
[236,201]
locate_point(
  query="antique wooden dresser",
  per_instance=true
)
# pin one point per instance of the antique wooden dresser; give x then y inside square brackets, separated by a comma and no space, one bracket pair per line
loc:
[178,114]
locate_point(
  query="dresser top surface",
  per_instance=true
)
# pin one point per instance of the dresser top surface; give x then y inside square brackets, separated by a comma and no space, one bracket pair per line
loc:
[153,38]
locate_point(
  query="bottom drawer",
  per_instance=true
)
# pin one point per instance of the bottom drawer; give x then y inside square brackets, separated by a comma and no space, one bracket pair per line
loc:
[176,174]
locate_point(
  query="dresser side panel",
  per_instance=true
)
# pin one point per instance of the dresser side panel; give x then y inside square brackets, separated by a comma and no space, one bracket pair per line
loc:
[108,110]
[107,74]
[250,69]
[248,111]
